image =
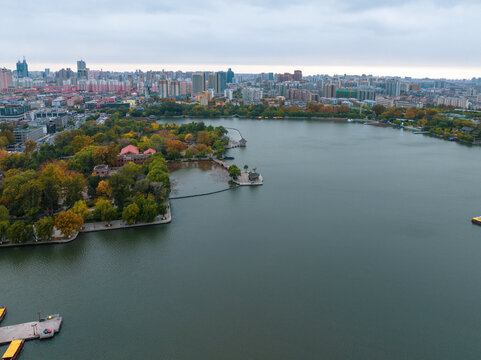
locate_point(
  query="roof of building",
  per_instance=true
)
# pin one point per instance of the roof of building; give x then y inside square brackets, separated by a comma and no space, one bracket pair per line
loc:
[150,151]
[253,176]
[129,149]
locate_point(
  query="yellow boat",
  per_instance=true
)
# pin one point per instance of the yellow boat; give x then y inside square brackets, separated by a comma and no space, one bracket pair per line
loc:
[476,220]
[3,311]
[13,350]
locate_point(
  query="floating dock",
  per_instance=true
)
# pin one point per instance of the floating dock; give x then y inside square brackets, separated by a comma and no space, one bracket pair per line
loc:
[13,350]
[45,328]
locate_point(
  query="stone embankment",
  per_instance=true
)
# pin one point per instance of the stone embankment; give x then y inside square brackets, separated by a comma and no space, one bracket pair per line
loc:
[94,226]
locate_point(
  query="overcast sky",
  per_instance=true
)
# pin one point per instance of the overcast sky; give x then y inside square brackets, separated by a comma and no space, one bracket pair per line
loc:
[317,36]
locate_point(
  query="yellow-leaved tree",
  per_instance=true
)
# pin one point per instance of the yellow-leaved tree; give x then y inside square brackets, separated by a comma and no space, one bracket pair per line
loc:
[68,222]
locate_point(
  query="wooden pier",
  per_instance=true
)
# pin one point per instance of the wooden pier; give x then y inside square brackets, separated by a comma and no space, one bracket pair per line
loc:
[45,328]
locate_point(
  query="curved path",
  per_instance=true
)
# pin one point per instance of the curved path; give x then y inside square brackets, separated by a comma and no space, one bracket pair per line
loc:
[231,128]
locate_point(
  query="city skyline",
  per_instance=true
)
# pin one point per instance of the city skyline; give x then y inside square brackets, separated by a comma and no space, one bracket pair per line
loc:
[403,38]
[379,71]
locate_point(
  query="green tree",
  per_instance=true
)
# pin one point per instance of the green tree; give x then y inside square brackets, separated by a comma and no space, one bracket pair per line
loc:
[4,225]
[150,210]
[15,183]
[30,195]
[80,142]
[234,172]
[120,186]
[29,233]
[4,214]
[92,183]
[131,171]
[83,161]
[105,211]
[16,232]
[51,177]
[130,214]
[74,186]
[44,228]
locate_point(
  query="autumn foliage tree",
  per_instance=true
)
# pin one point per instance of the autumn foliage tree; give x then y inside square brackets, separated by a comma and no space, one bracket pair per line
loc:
[80,207]
[103,189]
[68,222]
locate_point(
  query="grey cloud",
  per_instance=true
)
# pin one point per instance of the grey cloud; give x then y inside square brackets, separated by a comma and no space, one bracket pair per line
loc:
[246,31]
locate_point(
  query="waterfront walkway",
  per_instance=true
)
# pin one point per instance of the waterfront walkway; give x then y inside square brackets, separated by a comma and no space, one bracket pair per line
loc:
[59,238]
[119,224]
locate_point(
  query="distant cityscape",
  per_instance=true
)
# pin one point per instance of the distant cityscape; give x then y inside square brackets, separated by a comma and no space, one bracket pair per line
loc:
[204,86]
[47,100]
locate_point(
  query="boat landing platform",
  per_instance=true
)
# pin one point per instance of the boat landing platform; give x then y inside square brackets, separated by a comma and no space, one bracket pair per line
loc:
[45,328]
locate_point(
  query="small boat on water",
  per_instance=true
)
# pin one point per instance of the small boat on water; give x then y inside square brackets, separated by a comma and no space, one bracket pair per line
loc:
[476,220]
[228,157]
[3,311]
[13,350]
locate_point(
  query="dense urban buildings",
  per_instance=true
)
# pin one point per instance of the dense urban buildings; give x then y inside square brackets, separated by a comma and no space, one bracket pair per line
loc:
[205,86]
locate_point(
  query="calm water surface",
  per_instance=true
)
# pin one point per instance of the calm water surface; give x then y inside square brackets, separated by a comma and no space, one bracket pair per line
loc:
[358,246]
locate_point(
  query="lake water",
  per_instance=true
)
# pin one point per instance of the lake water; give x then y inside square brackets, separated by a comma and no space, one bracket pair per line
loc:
[358,246]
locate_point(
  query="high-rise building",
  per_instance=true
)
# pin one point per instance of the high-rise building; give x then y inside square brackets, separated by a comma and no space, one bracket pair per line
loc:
[297,75]
[329,90]
[6,80]
[185,88]
[64,74]
[211,81]
[82,71]
[220,82]
[366,93]
[393,87]
[174,88]
[230,76]
[198,83]
[163,88]
[22,69]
